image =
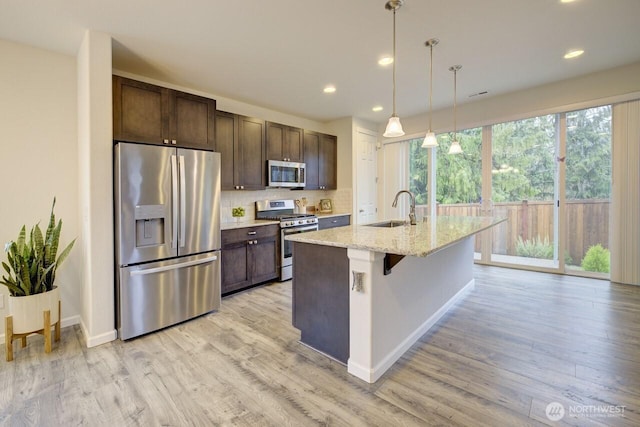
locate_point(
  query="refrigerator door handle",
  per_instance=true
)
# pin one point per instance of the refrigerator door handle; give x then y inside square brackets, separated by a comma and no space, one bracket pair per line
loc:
[183,203]
[174,202]
[173,266]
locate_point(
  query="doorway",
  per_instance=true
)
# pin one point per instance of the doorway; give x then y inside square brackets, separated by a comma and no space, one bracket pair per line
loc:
[365,182]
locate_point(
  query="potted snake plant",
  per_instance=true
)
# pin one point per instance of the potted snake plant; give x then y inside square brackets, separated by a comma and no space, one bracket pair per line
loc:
[30,269]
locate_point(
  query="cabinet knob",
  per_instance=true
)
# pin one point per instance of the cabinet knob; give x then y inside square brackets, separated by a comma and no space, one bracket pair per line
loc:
[242,187]
[166,141]
[173,141]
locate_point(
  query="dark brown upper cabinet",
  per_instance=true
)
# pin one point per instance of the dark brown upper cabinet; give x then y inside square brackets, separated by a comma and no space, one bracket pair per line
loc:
[192,120]
[226,139]
[321,159]
[284,142]
[147,113]
[328,162]
[240,141]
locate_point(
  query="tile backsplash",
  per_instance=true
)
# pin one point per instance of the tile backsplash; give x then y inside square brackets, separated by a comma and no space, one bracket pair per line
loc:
[230,199]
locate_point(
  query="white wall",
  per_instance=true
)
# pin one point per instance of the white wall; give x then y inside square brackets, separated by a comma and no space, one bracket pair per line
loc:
[95,187]
[38,152]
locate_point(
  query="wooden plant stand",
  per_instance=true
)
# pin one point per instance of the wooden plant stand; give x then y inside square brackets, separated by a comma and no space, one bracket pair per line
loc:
[9,336]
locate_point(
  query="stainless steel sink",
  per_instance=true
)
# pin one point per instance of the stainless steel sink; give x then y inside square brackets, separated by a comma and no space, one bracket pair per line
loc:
[388,224]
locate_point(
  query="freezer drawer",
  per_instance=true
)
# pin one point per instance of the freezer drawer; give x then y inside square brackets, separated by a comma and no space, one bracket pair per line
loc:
[159,294]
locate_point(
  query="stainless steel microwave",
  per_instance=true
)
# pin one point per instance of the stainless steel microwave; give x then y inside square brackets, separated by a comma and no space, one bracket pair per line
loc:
[286,174]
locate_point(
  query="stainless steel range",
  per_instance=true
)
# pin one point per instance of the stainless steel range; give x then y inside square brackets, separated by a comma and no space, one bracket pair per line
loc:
[290,223]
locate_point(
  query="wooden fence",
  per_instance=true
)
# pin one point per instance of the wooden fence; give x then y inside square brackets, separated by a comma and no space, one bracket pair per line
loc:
[587,224]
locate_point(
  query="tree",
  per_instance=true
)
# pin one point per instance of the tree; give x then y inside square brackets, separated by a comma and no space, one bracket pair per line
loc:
[523,160]
[459,177]
[589,154]
[418,171]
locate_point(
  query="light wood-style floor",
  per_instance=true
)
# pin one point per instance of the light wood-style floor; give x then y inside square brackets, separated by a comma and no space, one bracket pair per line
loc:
[518,342]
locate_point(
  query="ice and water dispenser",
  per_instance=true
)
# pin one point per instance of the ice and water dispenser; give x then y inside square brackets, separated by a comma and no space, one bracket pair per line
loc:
[150,223]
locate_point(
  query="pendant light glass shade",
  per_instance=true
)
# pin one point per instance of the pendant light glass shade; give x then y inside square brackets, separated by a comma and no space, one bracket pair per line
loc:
[455,148]
[394,128]
[455,145]
[430,138]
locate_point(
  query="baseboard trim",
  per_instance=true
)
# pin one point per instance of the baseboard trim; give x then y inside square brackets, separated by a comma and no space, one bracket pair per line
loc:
[96,340]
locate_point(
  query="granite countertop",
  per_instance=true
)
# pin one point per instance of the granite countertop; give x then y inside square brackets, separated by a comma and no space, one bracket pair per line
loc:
[246,223]
[414,240]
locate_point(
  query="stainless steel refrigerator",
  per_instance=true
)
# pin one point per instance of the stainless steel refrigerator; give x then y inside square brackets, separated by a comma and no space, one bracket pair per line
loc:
[167,232]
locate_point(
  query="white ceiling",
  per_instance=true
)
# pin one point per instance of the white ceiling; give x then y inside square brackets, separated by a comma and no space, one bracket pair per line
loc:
[280,54]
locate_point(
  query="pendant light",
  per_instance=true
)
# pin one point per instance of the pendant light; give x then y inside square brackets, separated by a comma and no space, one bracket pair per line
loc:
[455,145]
[430,138]
[394,128]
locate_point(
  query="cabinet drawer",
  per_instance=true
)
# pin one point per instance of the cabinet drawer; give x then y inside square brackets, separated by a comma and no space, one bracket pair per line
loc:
[249,233]
[334,221]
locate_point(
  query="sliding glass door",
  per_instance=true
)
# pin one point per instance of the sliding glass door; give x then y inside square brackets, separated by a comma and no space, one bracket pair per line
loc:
[523,190]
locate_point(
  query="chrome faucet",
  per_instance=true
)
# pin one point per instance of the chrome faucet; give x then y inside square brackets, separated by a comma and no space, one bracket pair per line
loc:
[412,209]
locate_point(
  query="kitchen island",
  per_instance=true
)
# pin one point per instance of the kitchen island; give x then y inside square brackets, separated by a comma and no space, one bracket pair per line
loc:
[364,294]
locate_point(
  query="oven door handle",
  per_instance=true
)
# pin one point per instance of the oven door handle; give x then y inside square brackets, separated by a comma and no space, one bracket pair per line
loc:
[294,230]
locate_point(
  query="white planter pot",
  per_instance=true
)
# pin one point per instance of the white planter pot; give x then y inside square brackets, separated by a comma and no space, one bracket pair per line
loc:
[28,311]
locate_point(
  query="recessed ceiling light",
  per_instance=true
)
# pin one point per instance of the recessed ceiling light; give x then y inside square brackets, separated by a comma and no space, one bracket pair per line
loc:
[377,108]
[567,1]
[573,53]
[329,89]
[387,60]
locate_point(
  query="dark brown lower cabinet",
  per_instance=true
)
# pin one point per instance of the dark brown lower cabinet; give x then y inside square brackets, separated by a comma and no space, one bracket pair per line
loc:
[321,298]
[334,221]
[250,256]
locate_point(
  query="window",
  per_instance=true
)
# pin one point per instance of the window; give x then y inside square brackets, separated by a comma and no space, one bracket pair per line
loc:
[543,169]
